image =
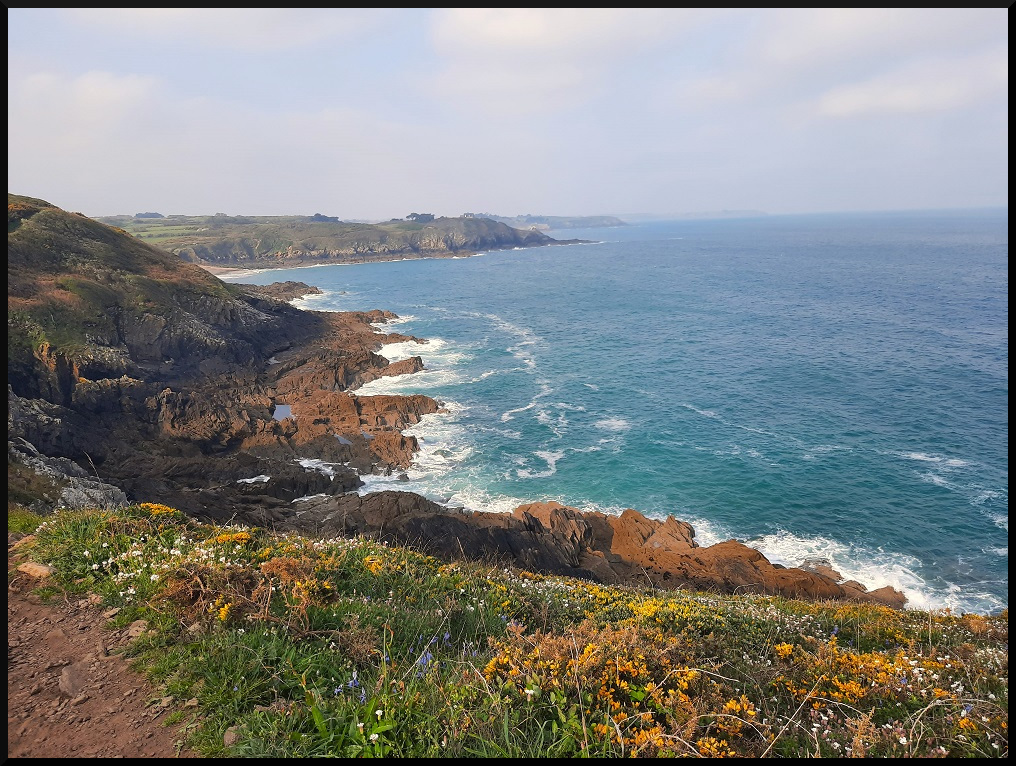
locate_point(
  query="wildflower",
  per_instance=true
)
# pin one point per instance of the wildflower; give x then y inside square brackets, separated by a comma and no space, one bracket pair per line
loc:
[373,737]
[379,712]
[903,740]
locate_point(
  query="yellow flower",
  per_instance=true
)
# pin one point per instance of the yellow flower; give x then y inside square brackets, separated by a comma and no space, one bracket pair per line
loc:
[235,537]
[374,564]
[783,650]
[156,509]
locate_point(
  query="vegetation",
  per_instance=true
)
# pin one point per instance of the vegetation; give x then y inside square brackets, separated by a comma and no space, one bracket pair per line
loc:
[72,282]
[351,648]
[287,240]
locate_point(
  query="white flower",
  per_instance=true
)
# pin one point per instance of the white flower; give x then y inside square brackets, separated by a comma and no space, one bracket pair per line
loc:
[373,737]
[903,740]
[379,712]
[87,554]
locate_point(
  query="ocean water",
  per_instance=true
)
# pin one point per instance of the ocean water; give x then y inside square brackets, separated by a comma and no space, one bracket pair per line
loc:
[824,386]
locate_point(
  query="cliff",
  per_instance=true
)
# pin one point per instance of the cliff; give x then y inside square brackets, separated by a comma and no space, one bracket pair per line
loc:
[270,241]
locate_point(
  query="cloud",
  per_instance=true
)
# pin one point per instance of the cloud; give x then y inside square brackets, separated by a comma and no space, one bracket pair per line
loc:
[923,86]
[243,29]
[543,58]
[820,36]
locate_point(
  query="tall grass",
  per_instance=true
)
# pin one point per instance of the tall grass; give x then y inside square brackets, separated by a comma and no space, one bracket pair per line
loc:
[348,647]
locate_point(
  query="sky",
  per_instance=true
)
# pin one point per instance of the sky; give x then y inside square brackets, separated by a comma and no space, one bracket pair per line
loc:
[372,114]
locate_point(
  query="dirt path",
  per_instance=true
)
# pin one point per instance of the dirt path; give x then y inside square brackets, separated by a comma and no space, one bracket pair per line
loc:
[69,692]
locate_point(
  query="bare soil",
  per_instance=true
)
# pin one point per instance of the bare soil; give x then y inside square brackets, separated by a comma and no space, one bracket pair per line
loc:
[70,692]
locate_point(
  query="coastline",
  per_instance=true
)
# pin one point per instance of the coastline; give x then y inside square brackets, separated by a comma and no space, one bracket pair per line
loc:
[260,267]
[544,536]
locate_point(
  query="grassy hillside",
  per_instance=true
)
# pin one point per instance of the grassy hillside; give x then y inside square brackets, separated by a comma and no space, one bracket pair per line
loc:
[350,648]
[68,278]
[85,299]
[280,240]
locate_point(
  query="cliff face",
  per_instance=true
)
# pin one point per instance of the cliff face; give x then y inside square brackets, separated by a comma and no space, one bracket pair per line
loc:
[166,382]
[133,375]
[268,242]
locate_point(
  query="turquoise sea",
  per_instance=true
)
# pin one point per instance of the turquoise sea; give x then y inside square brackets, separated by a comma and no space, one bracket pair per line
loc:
[820,386]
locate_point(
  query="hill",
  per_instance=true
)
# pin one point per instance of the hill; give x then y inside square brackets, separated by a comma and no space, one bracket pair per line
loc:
[272,241]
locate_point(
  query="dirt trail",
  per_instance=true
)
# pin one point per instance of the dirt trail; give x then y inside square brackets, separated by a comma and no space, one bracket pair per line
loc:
[69,692]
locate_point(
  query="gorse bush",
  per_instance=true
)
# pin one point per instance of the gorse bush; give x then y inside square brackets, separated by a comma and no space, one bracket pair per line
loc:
[352,648]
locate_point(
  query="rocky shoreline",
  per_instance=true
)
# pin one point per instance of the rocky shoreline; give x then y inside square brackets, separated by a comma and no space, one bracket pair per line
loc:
[134,376]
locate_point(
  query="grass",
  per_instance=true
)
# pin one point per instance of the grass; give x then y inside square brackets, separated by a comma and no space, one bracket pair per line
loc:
[351,648]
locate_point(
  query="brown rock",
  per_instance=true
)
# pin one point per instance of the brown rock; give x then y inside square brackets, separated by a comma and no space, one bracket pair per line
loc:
[33,569]
[73,679]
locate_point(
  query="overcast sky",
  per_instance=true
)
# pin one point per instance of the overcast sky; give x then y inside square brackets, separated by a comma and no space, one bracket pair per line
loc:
[374,114]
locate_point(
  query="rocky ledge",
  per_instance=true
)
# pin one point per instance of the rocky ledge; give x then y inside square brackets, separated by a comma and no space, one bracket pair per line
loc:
[552,538]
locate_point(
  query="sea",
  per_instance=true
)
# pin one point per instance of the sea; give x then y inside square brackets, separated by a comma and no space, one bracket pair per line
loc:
[827,386]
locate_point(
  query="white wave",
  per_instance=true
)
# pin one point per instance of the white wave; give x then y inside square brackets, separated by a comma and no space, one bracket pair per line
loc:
[477,499]
[255,479]
[510,414]
[550,458]
[592,386]
[984,496]
[612,424]
[313,464]
[874,569]
[569,407]
[309,497]
[545,390]
[586,449]
[444,446]
[938,481]
[505,432]
[1000,552]
[527,339]
[401,319]
[703,413]
[822,449]
[922,457]
[395,352]
[326,300]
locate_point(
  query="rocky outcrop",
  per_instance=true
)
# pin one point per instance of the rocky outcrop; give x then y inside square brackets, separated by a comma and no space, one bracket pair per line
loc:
[75,488]
[555,539]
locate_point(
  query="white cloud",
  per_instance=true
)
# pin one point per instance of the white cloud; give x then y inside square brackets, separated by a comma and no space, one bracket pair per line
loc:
[923,86]
[818,36]
[534,59]
[556,32]
[239,28]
